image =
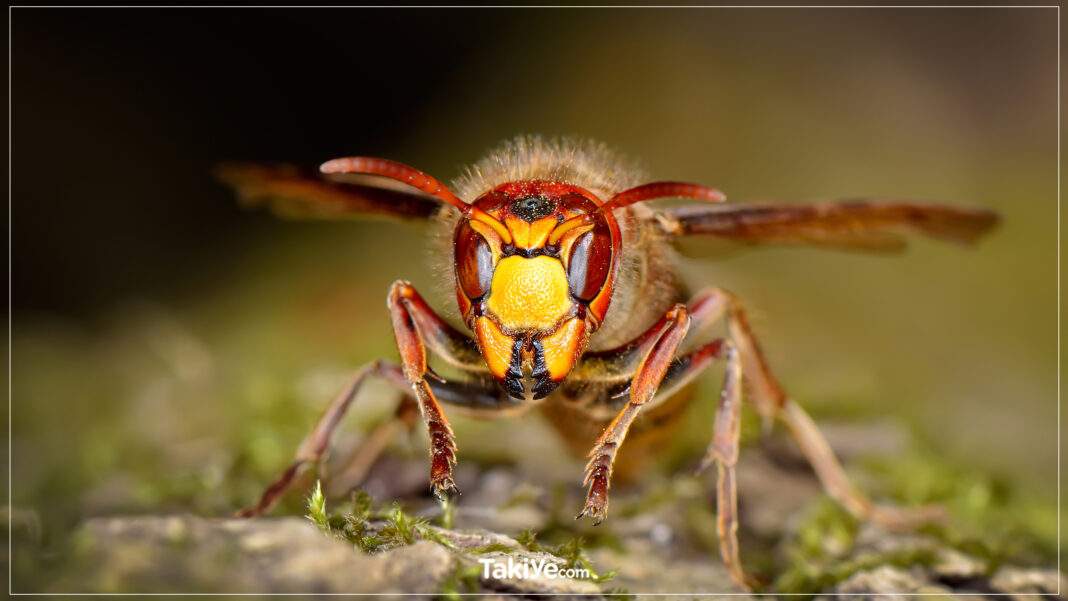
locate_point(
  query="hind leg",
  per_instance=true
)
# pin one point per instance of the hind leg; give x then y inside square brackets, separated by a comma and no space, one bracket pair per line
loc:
[354,468]
[772,402]
[312,449]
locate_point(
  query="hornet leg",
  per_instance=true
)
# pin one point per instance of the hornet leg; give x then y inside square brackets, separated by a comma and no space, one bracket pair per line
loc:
[646,380]
[772,402]
[416,328]
[312,450]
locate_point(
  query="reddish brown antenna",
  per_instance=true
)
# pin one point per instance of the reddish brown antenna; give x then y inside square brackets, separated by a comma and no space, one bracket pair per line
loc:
[638,194]
[417,179]
[662,190]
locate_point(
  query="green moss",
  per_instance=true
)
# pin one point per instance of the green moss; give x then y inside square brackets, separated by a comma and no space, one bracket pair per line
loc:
[809,576]
[988,519]
[571,551]
[818,557]
[400,528]
[464,580]
[373,530]
[492,548]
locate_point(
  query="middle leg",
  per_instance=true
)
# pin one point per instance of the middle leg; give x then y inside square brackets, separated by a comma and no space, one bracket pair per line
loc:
[723,450]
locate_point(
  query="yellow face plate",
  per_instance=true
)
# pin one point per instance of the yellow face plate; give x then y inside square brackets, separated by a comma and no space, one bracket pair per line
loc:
[529,294]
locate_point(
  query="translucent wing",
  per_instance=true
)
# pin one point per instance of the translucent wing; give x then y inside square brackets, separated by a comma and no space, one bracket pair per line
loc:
[306,194]
[865,225]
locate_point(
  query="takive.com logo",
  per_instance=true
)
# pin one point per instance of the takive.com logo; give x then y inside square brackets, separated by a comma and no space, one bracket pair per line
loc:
[508,568]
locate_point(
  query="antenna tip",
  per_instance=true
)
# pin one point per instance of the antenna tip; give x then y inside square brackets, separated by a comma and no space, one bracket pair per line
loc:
[336,166]
[714,195]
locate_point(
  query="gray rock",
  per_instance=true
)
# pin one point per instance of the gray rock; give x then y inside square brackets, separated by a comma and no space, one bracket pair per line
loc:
[1028,581]
[888,583]
[952,575]
[185,554]
[660,539]
[286,555]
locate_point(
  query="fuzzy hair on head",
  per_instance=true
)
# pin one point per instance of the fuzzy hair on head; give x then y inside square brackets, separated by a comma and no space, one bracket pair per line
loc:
[583,162]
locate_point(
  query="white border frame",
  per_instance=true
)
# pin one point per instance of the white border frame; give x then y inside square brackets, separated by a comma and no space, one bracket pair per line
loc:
[10,307]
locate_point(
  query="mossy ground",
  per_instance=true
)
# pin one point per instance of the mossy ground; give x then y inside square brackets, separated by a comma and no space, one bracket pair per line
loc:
[161,410]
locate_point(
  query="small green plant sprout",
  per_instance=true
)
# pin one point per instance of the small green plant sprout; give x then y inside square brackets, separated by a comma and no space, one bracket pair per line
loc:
[317,508]
[448,511]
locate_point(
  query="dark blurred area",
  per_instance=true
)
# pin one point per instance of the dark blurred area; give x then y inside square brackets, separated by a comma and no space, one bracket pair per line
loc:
[119,116]
[170,349]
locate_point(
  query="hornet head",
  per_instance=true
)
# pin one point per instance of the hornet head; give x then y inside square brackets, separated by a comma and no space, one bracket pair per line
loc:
[535,264]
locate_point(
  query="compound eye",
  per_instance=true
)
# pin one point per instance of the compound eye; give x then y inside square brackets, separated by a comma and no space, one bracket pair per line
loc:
[474,262]
[590,261]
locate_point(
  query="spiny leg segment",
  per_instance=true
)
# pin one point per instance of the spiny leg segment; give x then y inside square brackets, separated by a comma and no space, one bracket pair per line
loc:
[416,328]
[404,302]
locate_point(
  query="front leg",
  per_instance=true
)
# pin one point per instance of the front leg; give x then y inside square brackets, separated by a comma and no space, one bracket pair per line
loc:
[410,314]
[416,328]
[643,387]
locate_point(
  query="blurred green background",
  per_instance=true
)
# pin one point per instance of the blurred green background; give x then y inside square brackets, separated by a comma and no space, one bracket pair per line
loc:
[169,350]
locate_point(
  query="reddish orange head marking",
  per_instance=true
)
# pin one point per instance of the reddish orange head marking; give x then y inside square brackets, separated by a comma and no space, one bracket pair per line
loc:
[545,291]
